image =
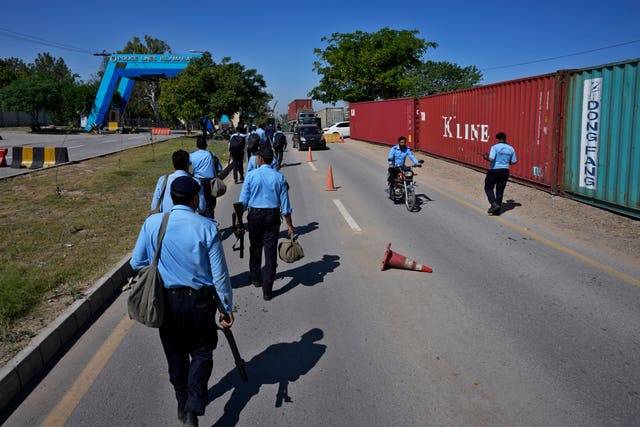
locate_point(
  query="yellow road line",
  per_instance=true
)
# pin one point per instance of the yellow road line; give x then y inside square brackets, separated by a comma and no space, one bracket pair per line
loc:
[620,275]
[613,272]
[63,410]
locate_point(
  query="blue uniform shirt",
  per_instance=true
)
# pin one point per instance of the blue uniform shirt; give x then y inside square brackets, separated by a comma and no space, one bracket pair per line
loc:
[397,156]
[202,163]
[252,164]
[503,155]
[191,253]
[167,203]
[265,187]
[262,134]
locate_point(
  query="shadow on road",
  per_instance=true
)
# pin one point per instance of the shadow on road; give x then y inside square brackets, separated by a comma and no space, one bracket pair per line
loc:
[308,274]
[509,205]
[280,364]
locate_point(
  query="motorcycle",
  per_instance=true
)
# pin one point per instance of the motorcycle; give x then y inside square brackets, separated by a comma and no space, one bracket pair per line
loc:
[404,187]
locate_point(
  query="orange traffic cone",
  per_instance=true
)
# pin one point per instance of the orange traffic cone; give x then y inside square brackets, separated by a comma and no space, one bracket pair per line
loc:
[330,186]
[394,260]
[309,158]
[341,138]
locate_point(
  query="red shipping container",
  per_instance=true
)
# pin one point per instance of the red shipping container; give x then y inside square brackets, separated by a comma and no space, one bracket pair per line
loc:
[383,122]
[462,125]
[298,105]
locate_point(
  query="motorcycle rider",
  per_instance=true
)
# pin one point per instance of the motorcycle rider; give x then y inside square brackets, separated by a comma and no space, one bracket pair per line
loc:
[396,158]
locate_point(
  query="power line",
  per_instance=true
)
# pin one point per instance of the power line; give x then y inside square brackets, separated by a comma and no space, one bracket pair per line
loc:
[37,40]
[560,57]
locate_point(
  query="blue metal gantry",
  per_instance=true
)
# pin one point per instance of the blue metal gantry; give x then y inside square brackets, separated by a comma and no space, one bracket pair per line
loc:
[122,72]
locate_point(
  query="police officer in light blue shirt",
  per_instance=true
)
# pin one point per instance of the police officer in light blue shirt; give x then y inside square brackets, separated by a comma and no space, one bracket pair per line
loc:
[265,194]
[501,156]
[262,133]
[206,166]
[192,264]
[396,158]
[161,199]
[252,164]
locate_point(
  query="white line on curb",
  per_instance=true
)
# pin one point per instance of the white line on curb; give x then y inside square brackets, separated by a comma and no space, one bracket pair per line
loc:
[354,226]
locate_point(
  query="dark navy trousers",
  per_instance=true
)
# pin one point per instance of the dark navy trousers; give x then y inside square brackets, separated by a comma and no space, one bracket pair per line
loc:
[496,178]
[264,227]
[188,336]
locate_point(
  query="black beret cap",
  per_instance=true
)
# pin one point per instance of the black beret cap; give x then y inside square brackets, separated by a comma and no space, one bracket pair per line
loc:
[185,185]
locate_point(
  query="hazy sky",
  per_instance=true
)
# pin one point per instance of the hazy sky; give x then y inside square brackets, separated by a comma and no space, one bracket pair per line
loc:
[277,39]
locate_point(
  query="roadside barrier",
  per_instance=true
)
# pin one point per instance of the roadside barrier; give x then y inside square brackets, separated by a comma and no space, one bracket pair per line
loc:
[3,157]
[38,157]
[160,131]
[332,137]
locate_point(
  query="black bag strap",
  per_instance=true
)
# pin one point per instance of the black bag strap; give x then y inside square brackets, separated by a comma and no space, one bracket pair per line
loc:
[163,229]
[216,162]
[164,187]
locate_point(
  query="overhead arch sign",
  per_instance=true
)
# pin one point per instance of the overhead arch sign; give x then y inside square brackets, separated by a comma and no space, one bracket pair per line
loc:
[123,70]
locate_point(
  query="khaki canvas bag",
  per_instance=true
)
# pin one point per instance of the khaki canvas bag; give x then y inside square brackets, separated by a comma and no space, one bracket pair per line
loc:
[146,298]
[290,250]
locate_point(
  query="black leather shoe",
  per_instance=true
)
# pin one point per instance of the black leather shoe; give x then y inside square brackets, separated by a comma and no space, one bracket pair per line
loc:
[267,297]
[191,420]
[256,284]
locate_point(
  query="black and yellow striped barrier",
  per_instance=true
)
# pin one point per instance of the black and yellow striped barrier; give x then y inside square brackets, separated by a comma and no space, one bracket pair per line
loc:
[38,157]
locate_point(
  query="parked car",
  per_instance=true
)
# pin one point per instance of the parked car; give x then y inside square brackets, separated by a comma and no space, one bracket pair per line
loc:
[307,136]
[343,128]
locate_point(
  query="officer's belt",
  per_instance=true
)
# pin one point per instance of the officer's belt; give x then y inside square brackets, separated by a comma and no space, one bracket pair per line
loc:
[187,290]
[264,209]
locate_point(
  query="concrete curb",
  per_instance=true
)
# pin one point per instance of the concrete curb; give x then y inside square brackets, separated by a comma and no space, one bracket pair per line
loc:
[20,370]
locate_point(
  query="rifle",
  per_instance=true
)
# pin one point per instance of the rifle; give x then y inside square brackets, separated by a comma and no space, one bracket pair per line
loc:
[225,171]
[240,363]
[238,228]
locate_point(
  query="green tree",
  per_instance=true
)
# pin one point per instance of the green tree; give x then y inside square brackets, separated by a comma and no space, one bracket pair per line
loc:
[215,89]
[12,69]
[77,98]
[364,66]
[32,94]
[49,67]
[145,95]
[386,64]
[437,77]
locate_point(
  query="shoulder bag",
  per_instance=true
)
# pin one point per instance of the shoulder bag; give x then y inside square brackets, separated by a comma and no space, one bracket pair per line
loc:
[146,298]
[218,187]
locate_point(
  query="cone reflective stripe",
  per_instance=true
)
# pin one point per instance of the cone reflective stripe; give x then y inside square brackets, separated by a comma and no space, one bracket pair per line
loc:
[309,158]
[394,260]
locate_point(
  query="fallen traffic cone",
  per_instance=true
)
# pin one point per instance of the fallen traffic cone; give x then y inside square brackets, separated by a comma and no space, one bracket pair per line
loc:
[330,186]
[309,158]
[394,260]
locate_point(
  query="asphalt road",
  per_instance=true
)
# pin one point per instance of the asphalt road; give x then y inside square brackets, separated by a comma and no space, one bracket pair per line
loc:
[79,146]
[507,330]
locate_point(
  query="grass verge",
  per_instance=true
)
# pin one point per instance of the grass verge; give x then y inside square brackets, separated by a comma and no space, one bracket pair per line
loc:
[63,228]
